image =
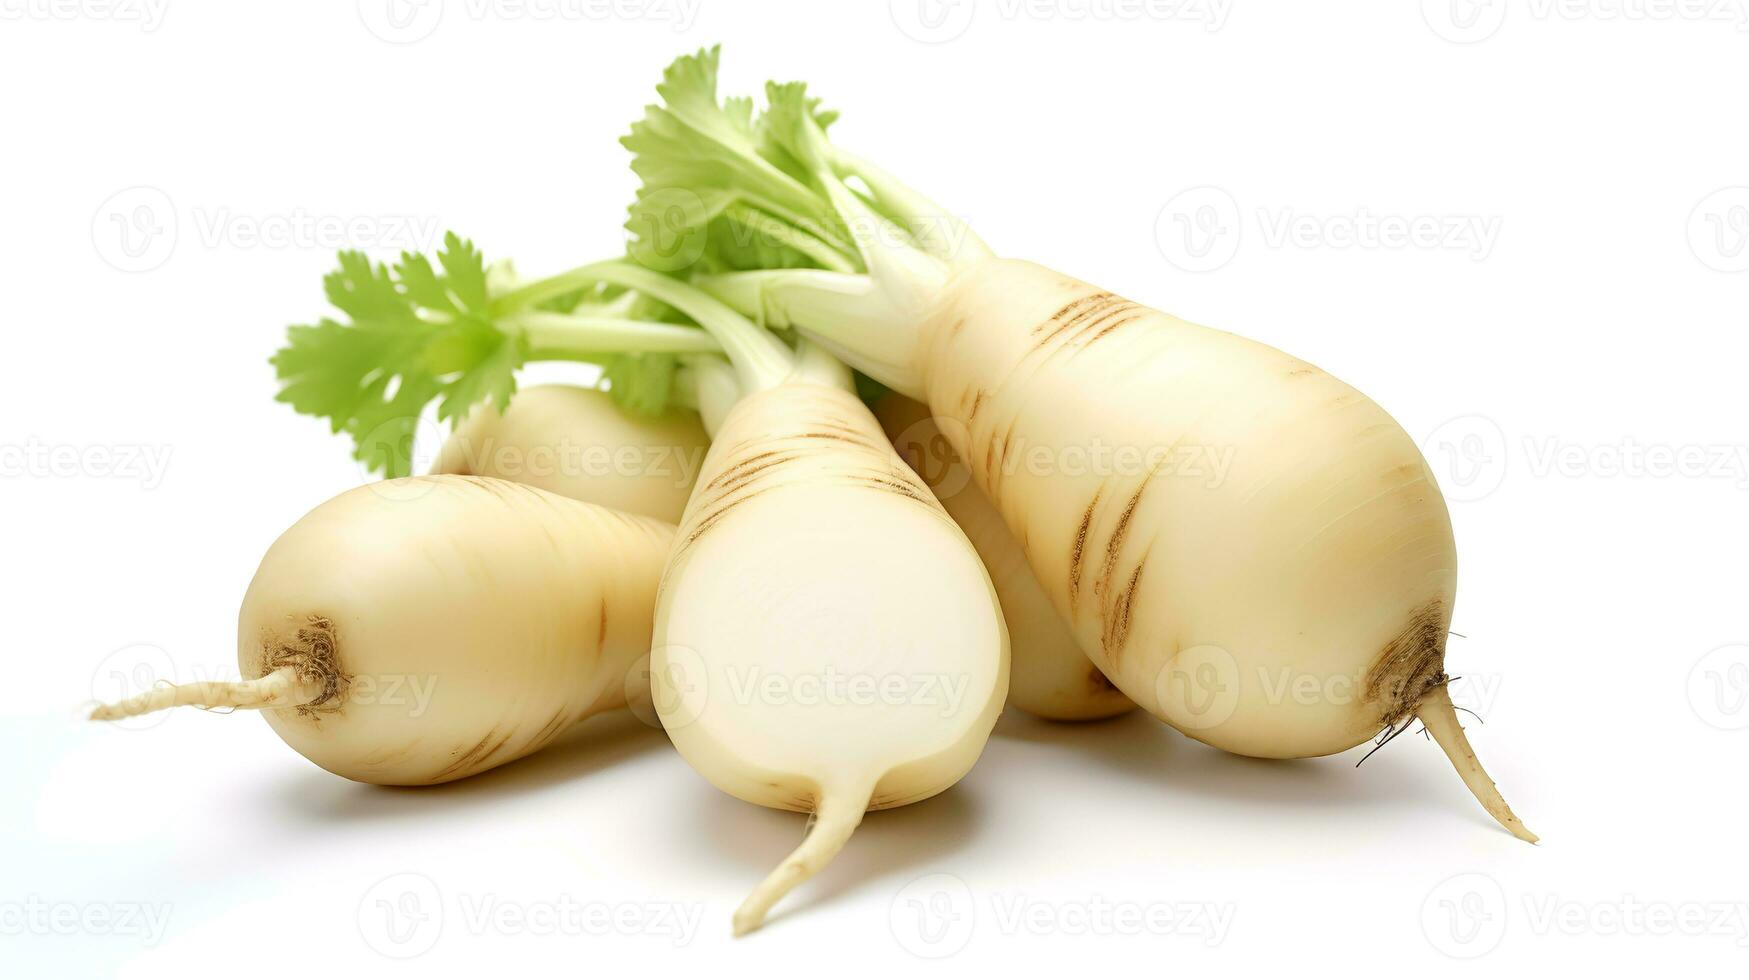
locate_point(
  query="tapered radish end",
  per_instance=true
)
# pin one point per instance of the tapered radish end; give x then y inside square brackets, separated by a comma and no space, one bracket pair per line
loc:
[1438,714]
[835,819]
[283,688]
[110,712]
[746,920]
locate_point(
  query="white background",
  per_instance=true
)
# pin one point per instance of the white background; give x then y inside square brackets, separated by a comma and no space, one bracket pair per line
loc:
[1572,356]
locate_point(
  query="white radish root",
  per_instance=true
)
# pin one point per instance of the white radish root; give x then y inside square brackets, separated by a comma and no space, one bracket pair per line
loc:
[826,639]
[425,629]
[1050,676]
[577,443]
[1440,717]
[283,686]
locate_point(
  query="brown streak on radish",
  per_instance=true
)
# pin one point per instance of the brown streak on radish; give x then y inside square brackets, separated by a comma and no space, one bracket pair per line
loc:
[1078,551]
[1097,306]
[895,486]
[1007,440]
[746,475]
[839,427]
[1410,664]
[552,728]
[711,517]
[977,403]
[497,488]
[1105,313]
[1109,328]
[853,440]
[466,759]
[1118,632]
[388,755]
[494,750]
[1071,307]
[739,465]
[1114,544]
[601,628]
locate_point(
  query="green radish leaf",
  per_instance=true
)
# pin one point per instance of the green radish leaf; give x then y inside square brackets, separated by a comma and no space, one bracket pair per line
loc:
[642,384]
[412,335]
[697,158]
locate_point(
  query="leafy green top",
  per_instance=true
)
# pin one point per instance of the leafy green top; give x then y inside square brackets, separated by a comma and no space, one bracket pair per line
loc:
[413,334]
[416,332]
[722,190]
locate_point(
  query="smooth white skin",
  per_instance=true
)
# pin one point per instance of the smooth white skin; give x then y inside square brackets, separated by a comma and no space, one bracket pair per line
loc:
[1270,537]
[1248,548]
[575,442]
[471,622]
[811,552]
[1050,677]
